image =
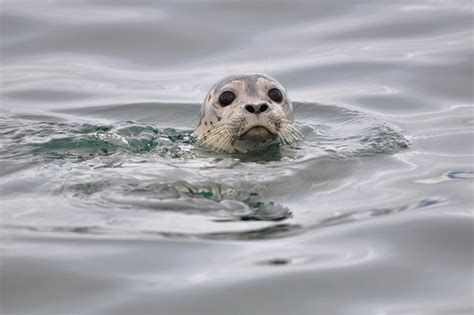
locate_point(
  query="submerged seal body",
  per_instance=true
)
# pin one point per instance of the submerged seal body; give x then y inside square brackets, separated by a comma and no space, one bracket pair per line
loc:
[244,113]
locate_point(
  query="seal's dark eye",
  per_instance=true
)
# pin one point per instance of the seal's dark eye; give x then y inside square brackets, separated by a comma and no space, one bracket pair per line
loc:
[275,95]
[226,98]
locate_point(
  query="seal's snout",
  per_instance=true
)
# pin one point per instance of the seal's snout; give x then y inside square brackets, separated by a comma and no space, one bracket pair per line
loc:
[256,108]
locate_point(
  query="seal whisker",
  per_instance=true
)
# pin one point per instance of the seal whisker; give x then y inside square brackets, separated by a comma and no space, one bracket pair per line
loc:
[208,136]
[214,133]
[295,132]
[210,139]
[285,131]
[221,143]
[290,134]
[226,141]
[285,139]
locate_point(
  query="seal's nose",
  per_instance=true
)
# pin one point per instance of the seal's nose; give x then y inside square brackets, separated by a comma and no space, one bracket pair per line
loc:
[256,108]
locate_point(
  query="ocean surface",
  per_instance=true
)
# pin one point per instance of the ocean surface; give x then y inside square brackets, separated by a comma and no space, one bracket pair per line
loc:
[109,207]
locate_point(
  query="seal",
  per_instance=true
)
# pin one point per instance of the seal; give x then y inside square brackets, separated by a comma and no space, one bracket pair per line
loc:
[246,112]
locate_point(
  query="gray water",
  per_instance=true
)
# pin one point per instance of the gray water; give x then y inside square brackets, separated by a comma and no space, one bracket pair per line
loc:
[109,207]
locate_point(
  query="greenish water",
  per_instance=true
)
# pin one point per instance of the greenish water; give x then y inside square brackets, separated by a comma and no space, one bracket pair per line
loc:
[211,184]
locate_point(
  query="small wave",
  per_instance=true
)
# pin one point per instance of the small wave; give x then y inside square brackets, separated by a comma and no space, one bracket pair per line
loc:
[330,130]
[274,230]
[53,140]
[345,132]
[221,201]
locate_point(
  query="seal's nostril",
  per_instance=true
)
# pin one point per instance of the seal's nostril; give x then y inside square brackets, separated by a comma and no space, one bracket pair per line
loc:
[250,108]
[256,109]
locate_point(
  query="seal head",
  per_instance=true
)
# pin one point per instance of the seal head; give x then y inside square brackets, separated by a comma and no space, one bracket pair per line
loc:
[246,112]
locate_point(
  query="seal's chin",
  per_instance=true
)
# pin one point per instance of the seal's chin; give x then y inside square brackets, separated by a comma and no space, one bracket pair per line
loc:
[254,138]
[257,134]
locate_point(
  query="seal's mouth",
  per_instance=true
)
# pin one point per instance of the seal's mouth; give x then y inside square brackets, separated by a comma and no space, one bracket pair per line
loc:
[257,133]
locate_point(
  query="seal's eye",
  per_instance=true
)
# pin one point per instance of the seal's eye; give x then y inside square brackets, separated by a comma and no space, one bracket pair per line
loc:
[226,98]
[275,95]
